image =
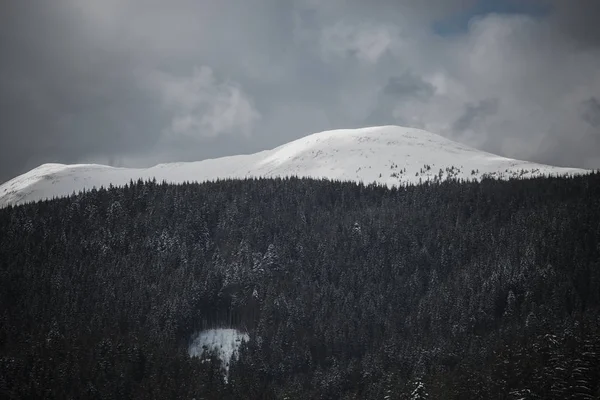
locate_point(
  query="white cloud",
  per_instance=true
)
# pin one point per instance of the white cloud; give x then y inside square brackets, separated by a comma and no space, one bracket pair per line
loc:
[507,85]
[204,107]
[307,65]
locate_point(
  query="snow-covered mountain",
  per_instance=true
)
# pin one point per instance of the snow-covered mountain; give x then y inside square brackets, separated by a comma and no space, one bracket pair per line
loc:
[389,155]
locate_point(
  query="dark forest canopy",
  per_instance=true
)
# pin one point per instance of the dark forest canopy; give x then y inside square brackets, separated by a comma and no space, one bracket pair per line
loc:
[450,290]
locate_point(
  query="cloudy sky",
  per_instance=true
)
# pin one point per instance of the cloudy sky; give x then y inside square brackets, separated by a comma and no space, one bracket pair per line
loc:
[138,82]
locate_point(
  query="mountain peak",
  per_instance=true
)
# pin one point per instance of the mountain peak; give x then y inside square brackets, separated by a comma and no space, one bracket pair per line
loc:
[389,155]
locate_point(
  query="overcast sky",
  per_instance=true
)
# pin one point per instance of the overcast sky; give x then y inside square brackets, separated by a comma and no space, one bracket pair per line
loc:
[138,82]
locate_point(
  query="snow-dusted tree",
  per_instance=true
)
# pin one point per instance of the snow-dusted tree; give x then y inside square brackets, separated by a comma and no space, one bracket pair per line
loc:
[510,304]
[419,392]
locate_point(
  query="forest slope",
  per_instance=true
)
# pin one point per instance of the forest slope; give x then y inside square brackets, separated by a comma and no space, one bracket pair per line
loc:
[455,290]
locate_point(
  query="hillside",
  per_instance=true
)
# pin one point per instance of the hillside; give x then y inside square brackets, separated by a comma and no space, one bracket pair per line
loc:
[388,155]
[304,289]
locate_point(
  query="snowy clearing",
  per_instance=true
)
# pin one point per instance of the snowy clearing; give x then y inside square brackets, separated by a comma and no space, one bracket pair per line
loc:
[224,342]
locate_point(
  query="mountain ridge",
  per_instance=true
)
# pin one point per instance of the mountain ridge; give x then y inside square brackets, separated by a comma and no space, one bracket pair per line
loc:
[388,155]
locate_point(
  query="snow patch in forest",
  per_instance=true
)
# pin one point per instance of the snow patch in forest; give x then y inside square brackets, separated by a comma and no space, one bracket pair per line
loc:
[224,342]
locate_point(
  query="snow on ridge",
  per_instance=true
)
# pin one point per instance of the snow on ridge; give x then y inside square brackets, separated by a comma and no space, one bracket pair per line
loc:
[388,155]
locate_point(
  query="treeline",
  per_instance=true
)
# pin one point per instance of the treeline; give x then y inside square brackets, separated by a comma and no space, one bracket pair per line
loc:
[446,290]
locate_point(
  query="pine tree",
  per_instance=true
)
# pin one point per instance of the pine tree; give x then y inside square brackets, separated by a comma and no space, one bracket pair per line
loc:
[419,392]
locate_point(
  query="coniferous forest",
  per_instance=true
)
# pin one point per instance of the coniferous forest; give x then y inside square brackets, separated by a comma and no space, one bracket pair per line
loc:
[453,290]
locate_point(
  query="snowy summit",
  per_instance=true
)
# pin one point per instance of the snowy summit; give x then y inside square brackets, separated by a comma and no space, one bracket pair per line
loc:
[389,155]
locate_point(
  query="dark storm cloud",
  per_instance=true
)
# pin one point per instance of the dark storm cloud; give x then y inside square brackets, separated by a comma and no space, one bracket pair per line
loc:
[475,113]
[137,82]
[578,19]
[63,94]
[591,112]
[408,85]
[404,88]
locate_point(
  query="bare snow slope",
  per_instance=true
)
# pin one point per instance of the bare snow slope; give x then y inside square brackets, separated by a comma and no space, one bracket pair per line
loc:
[389,155]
